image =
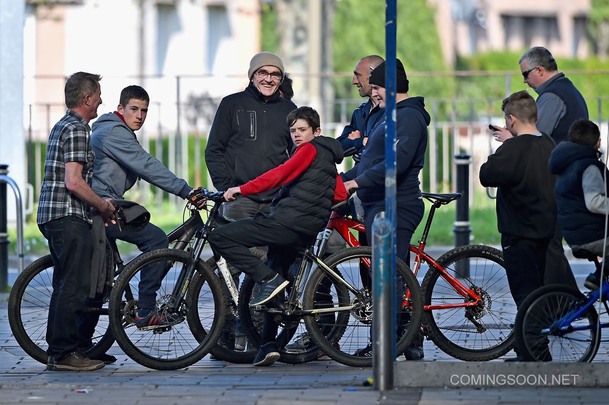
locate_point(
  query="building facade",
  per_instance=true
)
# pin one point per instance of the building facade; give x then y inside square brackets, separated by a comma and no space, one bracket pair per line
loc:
[467,27]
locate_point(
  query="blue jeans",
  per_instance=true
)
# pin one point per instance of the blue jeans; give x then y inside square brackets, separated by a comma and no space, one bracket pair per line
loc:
[71,245]
[151,237]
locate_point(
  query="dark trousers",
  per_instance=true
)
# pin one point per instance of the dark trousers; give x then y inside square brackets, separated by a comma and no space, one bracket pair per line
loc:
[71,245]
[525,262]
[558,270]
[151,237]
[233,240]
[408,215]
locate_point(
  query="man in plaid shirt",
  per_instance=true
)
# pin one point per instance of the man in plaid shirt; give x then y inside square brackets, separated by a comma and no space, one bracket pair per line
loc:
[64,218]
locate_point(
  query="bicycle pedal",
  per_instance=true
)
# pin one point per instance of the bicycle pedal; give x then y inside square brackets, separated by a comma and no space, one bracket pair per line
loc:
[161,329]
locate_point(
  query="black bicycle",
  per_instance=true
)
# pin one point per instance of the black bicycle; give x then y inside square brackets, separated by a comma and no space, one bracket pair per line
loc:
[188,299]
[30,296]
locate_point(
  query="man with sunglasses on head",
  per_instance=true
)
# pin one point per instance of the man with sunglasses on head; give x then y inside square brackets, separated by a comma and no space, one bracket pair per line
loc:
[559,105]
[248,137]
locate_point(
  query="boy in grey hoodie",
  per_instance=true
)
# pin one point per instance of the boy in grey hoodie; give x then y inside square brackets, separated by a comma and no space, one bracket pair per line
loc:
[120,161]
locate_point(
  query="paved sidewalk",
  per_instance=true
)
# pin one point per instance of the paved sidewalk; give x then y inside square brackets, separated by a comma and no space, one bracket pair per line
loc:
[438,379]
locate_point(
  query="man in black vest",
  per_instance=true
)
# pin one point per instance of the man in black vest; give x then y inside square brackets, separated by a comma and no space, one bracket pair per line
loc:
[559,104]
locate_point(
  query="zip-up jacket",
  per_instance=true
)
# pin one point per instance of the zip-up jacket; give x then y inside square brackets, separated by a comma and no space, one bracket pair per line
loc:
[248,137]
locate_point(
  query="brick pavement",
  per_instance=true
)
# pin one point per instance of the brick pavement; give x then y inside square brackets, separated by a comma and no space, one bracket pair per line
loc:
[23,380]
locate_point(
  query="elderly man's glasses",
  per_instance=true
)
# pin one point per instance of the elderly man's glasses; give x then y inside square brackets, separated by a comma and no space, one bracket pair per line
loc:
[525,74]
[263,74]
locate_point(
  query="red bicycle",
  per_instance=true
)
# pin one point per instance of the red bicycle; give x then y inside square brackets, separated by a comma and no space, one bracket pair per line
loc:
[469,312]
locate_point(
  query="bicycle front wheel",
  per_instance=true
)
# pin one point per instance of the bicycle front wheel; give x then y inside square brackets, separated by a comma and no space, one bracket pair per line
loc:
[28,310]
[173,345]
[472,333]
[540,337]
[342,306]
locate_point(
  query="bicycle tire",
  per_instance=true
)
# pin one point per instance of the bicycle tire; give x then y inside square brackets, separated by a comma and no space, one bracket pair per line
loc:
[28,310]
[291,329]
[449,328]
[171,347]
[540,310]
[350,330]
[232,355]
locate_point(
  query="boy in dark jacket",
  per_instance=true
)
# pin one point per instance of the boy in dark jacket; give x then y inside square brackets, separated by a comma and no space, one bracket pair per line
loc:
[309,183]
[581,185]
[368,176]
[526,207]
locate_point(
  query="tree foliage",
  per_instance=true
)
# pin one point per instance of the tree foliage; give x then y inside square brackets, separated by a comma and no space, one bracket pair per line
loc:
[598,27]
[359,30]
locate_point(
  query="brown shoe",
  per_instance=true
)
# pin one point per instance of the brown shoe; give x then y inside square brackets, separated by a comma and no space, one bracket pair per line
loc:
[75,361]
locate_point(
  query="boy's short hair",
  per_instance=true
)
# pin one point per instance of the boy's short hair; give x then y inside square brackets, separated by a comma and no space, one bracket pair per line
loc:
[584,132]
[522,106]
[133,91]
[306,113]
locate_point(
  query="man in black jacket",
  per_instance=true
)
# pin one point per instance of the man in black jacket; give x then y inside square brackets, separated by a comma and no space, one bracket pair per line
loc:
[559,104]
[248,137]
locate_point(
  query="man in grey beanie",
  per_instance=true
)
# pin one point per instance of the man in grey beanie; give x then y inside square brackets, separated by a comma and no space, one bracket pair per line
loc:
[248,137]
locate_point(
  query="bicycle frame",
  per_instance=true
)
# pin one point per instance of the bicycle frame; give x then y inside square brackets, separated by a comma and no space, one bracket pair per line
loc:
[345,226]
[563,325]
[294,303]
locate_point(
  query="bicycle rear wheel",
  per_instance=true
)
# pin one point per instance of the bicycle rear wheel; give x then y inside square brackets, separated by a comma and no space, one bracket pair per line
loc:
[175,345]
[478,333]
[292,339]
[542,310]
[349,328]
[28,310]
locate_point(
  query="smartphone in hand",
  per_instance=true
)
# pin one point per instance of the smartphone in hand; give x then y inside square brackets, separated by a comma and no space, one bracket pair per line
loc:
[494,127]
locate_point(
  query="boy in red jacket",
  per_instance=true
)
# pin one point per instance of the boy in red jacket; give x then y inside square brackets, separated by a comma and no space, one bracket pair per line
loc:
[309,183]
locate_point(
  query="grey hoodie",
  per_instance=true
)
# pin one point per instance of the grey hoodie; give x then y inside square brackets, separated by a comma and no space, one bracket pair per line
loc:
[120,160]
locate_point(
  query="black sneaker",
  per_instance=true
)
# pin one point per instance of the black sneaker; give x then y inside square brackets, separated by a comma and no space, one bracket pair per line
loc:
[414,352]
[267,355]
[364,352]
[106,358]
[592,282]
[74,361]
[269,289]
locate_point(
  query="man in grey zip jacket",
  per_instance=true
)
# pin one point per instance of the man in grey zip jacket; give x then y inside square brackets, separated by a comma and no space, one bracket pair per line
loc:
[120,161]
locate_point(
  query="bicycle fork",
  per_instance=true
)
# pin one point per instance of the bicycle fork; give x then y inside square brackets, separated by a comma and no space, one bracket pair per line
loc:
[228,281]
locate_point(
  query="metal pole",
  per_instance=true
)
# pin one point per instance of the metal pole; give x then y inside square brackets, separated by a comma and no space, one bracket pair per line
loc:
[461,228]
[384,287]
[383,332]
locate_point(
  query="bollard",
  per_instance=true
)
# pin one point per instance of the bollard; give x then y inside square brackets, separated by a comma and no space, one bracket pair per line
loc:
[4,242]
[383,288]
[461,228]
